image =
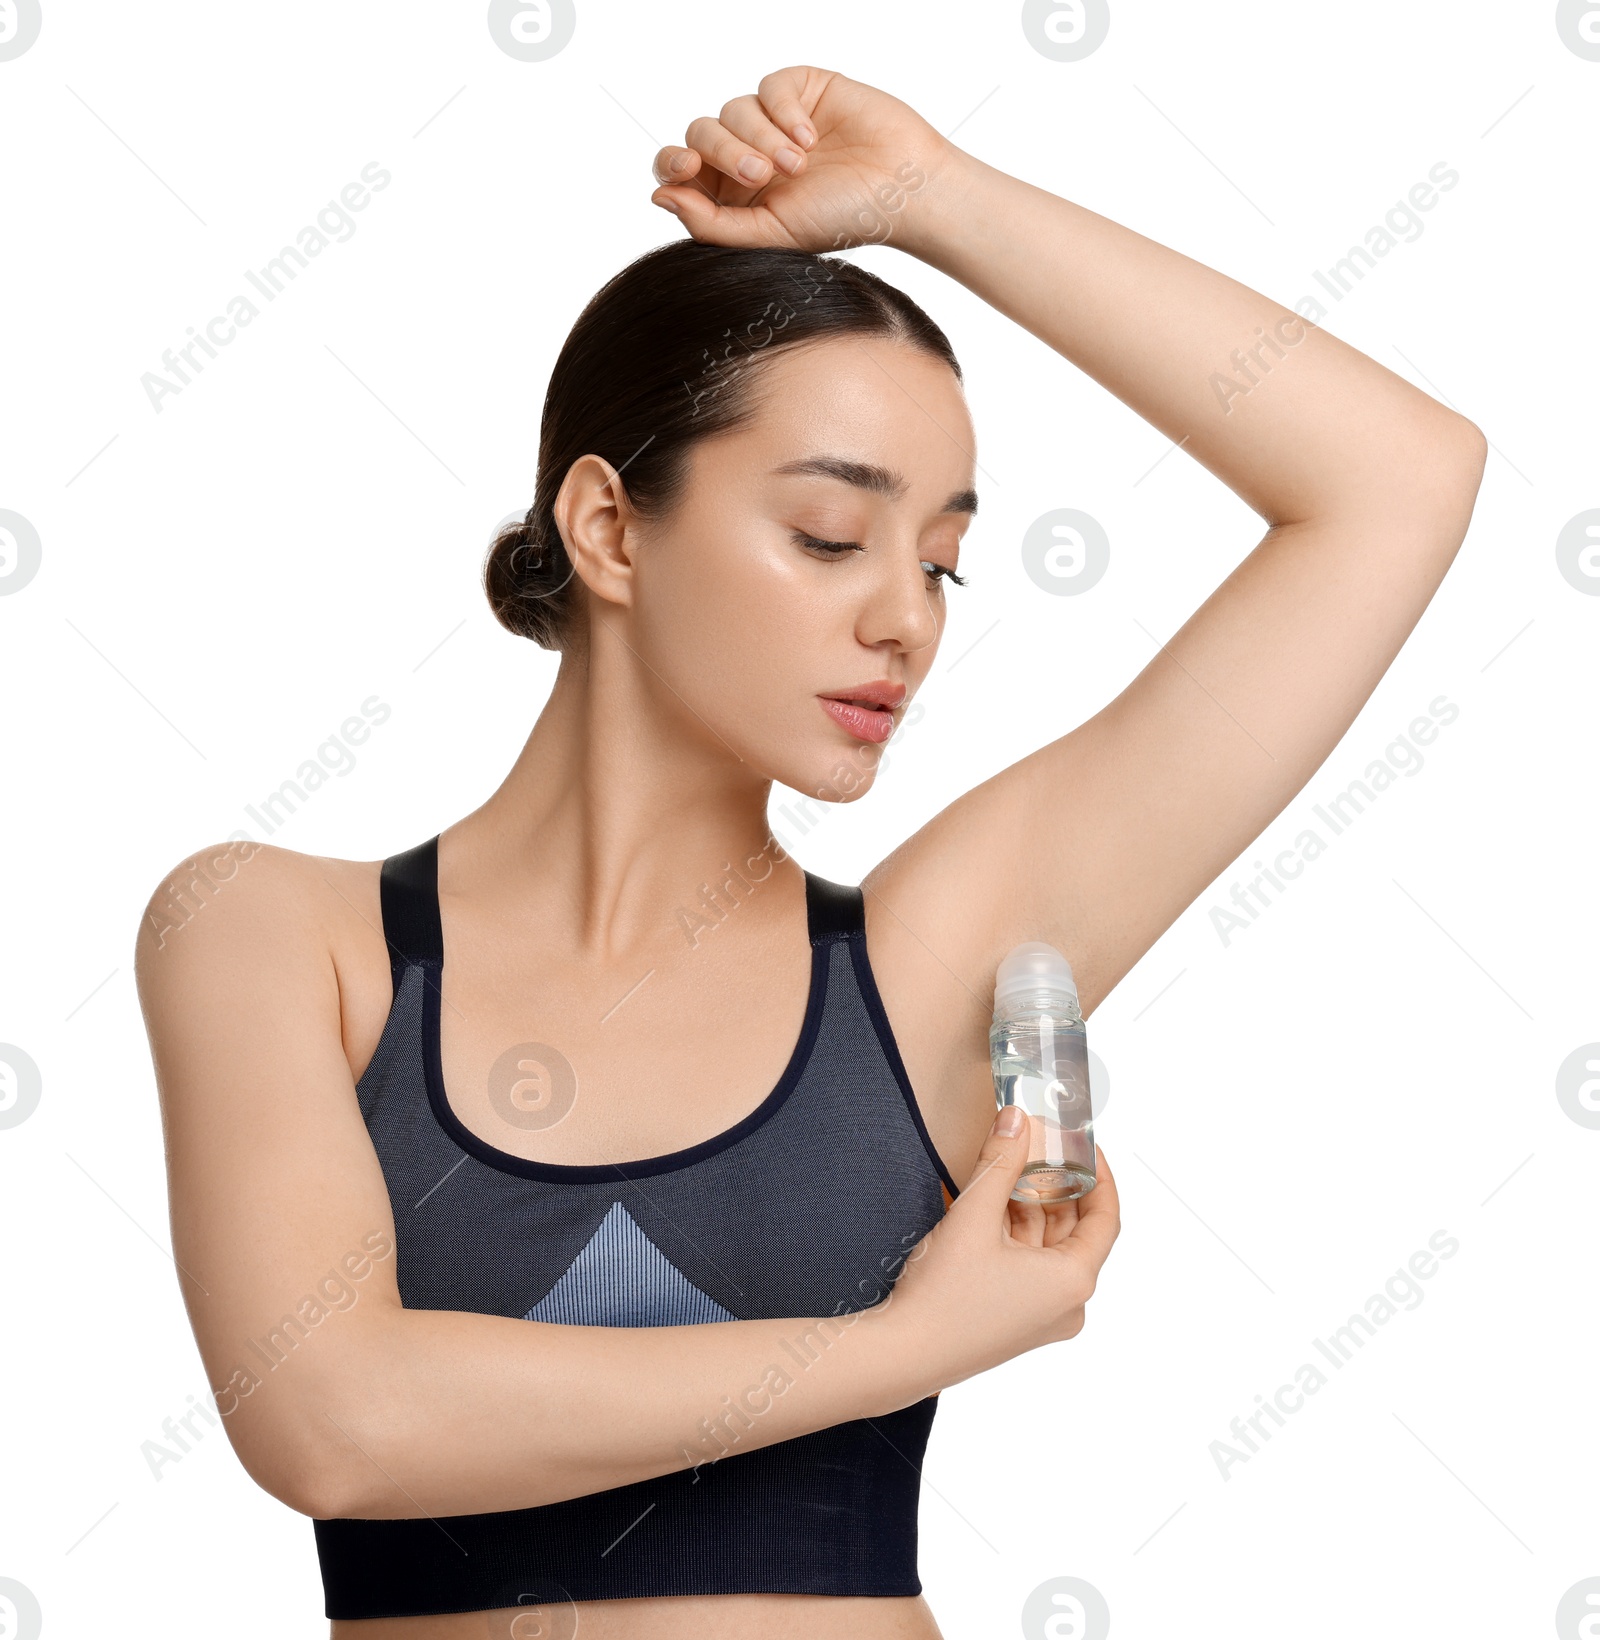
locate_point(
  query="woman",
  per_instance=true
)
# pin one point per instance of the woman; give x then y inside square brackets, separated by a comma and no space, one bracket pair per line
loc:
[504,1268]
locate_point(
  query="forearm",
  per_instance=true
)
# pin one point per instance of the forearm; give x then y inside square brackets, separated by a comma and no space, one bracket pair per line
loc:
[1296,422]
[440,1412]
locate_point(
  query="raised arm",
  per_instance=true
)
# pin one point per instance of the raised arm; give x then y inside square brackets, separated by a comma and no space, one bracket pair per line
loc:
[1100,839]
[339,1401]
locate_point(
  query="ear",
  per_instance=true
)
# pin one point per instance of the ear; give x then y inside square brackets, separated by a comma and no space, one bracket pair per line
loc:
[593,514]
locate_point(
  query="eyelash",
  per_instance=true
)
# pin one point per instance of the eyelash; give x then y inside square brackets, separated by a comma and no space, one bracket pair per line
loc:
[939,572]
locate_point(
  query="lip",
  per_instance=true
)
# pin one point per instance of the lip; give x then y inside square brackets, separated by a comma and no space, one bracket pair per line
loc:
[866,712]
[870,723]
[880,692]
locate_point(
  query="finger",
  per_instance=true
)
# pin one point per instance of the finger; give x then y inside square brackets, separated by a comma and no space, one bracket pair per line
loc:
[748,121]
[674,164]
[1060,1218]
[789,95]
[999,1164]
[1099,1222]
[732,156]
[746,227]
[1028,1224]
[1102,1171]
[1103,1201]
[685,183]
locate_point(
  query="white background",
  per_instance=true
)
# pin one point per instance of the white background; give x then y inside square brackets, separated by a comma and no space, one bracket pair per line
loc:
[1293,1114]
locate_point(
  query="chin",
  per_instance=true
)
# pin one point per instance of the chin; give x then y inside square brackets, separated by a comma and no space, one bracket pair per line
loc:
[838,774]
[825,767]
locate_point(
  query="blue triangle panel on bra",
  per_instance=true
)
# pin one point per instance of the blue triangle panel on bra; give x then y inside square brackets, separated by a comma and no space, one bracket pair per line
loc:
[620,1278]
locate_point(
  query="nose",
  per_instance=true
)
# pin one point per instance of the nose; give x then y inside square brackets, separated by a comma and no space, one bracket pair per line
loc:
[898,608]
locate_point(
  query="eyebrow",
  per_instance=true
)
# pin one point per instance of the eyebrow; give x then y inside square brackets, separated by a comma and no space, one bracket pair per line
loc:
[865,475]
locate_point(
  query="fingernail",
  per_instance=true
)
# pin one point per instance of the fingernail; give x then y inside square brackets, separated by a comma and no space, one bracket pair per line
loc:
[786,159]
[1008,1124]
[803,134]
[667,205]
[752,167]
[677,162]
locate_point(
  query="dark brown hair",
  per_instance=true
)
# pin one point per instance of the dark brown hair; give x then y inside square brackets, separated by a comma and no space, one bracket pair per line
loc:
[663,355]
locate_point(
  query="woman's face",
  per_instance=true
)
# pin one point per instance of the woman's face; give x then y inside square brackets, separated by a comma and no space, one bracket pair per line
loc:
[858,441]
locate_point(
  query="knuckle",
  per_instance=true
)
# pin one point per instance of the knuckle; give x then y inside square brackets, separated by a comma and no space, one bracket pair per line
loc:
[1080,1286]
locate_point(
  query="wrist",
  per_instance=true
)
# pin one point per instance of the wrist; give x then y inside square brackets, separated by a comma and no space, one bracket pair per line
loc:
[905,1367]
[939,214]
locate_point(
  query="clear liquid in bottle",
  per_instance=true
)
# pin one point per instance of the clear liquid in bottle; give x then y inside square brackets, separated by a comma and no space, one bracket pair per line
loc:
[1039,1054]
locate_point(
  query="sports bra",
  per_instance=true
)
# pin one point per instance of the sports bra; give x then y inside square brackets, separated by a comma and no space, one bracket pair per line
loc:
[795,1210]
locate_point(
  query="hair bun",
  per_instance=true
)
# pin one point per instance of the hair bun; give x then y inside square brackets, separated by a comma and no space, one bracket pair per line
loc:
[520,575]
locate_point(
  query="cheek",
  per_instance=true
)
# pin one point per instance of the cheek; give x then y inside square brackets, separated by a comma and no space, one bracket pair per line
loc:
[768,640]
[745,612]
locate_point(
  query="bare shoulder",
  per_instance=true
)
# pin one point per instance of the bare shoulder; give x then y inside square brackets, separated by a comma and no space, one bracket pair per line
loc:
[244,920]
[221,899]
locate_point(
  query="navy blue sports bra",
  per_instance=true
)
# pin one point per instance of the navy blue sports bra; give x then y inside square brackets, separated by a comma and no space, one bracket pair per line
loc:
[796,1210]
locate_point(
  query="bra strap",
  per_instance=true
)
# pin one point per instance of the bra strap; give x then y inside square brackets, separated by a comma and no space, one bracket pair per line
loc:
[408,888]
[834,911]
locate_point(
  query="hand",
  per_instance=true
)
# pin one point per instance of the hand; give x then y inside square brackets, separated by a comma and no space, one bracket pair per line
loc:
[995,1278]
[831,162]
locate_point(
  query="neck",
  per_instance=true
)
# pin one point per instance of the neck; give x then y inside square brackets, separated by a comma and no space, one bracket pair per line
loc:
[621,808]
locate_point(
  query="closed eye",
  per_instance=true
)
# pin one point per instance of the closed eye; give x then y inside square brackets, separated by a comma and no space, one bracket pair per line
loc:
[935,572]
[816,544]
[940,572]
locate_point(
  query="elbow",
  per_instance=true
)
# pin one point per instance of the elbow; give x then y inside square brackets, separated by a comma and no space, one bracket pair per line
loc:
[1459,461]
[1462,475]
[1473,452]
[320,1473]
[1420,482]
[322,1437]
[329,1489]
[314,1485]
[1433,489]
